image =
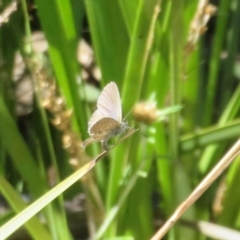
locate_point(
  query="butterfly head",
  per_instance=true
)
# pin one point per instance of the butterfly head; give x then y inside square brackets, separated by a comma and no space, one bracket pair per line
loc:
[124,126]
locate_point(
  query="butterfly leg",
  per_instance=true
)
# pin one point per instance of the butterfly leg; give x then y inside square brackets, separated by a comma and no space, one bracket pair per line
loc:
[104,144]
[88,141]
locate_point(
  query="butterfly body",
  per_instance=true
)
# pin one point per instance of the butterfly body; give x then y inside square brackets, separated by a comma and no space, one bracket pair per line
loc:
[106,121]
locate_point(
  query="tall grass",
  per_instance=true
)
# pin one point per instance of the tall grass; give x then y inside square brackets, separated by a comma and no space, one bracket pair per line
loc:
[161,54]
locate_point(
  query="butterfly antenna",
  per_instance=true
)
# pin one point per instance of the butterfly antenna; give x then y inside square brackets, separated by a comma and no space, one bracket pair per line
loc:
[128,113]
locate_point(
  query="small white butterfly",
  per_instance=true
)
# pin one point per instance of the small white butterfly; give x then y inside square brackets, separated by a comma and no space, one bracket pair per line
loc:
[106,121]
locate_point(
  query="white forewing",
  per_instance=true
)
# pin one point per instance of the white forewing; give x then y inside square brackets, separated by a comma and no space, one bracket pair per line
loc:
[108,105]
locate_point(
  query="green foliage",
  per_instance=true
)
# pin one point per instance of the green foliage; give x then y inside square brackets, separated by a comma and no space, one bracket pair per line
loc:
[145,47]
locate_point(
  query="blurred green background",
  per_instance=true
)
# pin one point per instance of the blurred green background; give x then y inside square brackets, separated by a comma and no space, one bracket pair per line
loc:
[177,62]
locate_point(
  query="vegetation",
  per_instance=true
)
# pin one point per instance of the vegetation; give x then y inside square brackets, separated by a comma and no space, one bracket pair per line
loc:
[177,70]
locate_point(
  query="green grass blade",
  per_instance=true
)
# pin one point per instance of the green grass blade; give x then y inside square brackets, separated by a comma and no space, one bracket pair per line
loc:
[34,226]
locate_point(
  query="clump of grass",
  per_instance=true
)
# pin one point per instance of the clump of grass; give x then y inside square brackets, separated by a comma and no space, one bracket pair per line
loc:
[159,53]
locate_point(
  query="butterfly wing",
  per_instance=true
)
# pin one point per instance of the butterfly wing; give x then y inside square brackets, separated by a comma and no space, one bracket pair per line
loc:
[108,105]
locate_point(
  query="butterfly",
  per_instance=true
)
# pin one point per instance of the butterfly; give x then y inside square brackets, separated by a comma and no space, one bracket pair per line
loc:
[106,122]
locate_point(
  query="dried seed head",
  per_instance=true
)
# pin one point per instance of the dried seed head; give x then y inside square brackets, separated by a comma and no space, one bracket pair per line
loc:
[199,23]
[145,112]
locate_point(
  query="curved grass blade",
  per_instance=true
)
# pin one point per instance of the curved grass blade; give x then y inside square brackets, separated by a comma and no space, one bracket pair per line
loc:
[16,222]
